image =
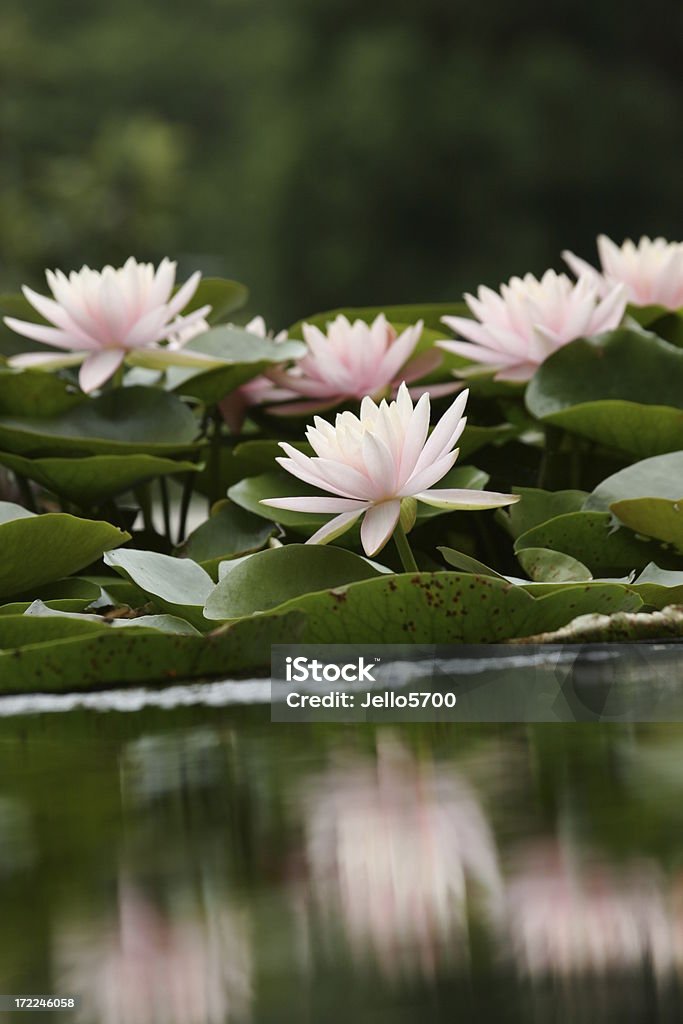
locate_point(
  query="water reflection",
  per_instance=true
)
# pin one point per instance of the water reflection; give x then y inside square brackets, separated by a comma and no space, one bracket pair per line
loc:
[394,847]
[148,965]
[204,866]
[571,915]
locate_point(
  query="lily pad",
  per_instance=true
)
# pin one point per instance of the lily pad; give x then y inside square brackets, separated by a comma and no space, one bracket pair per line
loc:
[430,313]
[176,585]
[538,506]
[444,607]
[658,477]
[123,421]
[232,357]
[224,297]
[35,550]
[591,538]
[546,566]
[269,578]
[87,481]
[623,389]
[653,517]
[24,391]
[229,531]
[57,654]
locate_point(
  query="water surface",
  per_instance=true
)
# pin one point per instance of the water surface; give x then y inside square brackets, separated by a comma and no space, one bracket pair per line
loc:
[198,864]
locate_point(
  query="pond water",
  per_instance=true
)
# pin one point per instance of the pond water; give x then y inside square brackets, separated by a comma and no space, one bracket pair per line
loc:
[201,865]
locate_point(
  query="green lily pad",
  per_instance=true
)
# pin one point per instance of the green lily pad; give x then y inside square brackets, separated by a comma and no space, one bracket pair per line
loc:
[626,365]
[35,550]
[163,623]
[176,585]
[658,477]
[465,563]
[659,588]
[590,538]
[268,578]
[248,494]
[123,421]
[224,297]
[546,566]
[538,506]
[236,355]
[653,517]
[57,654]
[445,607]
[623,389]
[430,313]
[90,480]
[24,391]
[229,531]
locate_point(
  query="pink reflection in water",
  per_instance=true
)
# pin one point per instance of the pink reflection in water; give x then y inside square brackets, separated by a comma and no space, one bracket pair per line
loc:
[571,915]
[395,849]
[147,967]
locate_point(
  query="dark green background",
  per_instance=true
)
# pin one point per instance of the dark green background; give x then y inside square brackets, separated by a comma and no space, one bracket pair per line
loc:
[335,152]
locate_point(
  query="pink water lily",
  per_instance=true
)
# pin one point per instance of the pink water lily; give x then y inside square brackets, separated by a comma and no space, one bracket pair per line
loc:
[651,271]
[351,360]
[516,329]
[99,318]
[370,464]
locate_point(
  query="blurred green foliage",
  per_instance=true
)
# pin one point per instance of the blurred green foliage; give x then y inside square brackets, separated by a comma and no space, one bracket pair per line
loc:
[335,152]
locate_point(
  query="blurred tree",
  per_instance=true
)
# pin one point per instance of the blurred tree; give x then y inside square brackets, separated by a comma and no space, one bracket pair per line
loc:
[331,152]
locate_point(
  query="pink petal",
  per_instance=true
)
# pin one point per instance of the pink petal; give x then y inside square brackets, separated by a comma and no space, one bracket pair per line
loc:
[464,499]
[335,528]
[183,295]
[381,467]
[315,504]
[47,335]
[430,474]
[378,525]
[445,433]
[57,315]
[46,360]
[99,367]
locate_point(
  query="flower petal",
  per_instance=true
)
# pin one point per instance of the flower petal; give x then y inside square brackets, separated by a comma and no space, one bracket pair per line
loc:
[465,499]
[379,522]
[335,528]
[45,360]
[99,367]
[316,504]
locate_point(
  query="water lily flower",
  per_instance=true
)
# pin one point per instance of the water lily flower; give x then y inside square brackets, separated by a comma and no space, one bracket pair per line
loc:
[99,318]
[516,329]
[370,464]
[651,271]
[351,360]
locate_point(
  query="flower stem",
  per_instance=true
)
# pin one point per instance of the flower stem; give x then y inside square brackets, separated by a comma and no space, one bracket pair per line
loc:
[188,488]
[404,550]
[166,507]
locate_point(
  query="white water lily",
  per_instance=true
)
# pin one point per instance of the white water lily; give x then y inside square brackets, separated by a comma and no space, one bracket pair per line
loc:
[516,329]
[651,271]
[98,318]
[351,360]
[370,463]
